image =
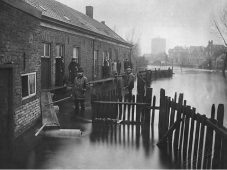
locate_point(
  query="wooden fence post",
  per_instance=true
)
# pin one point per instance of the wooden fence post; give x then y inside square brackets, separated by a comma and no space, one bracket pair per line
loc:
[209,142]
[138,108]
[190,151]
[196,143]
[179,105]
[161,114]
[218,138]
[148,100]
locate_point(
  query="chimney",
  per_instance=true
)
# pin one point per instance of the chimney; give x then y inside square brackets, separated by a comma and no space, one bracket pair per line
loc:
[89,11]
[103,22]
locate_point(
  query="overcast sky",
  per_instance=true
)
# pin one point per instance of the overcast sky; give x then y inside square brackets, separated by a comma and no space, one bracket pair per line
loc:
[181,22]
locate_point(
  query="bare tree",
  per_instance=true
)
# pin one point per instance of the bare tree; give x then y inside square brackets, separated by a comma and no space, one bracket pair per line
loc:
[219,27]
[133,37]
[116,29]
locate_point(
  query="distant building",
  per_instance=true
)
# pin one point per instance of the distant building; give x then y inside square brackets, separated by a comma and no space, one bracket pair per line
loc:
[179,55]
[214,56]
[158,45]
[197,55]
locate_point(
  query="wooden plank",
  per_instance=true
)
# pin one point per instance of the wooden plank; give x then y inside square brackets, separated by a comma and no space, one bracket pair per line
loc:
[209,141]
[191,137]
[138,108]
[168,133]
[153,111]
[196,143]
[186,130]
[133,108]
[129,107]
[201,140]
[161,114]
[167,115]
[120,107]
[176,136]
[173,109]
[148,100]
[124,111]
[218,138]
[223,164]
[49,116]
[127,103]
[115,107]
[182,125]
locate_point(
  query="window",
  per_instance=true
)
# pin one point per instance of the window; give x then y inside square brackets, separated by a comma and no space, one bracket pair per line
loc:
[103,57]
[45,50]
[76,54]
[28,85]
[59,51]
[95,63]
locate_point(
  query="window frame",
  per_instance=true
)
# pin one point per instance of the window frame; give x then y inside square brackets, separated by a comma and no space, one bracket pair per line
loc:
[61,51]
[96,68]
[78,57]
[29,95]
[44,50]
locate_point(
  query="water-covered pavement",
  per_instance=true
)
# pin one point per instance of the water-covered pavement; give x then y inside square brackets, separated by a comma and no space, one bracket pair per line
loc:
[115,146]
[201,88]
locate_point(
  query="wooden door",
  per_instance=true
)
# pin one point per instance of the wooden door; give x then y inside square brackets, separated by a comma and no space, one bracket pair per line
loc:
[45,73]
[58,72]
[4,110]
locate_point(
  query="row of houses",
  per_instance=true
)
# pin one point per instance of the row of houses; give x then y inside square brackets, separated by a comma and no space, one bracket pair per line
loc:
[198,56]
[36,36]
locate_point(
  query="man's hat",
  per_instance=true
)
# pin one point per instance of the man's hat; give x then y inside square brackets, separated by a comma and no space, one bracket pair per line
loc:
[129,68]
[80,70]
[73,59]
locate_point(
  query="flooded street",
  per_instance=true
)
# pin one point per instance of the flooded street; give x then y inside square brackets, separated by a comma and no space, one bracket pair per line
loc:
[201,88]
[117,145]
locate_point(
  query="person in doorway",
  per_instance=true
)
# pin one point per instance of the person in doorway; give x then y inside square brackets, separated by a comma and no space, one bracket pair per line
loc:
[62,70]
[126,65]
[118,67]
[105,68]
[129,82]
[79,88]
[73,67]
[114,66]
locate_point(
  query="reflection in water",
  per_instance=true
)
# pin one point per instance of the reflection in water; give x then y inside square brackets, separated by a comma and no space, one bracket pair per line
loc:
[124,134]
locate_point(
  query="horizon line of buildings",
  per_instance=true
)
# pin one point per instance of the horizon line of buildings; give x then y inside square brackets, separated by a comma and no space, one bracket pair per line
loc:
[210,57]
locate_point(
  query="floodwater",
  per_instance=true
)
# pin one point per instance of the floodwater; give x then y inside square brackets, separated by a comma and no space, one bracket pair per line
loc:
[116,146]
[201,88]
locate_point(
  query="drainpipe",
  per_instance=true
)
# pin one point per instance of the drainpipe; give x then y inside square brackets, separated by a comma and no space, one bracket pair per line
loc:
[93,51]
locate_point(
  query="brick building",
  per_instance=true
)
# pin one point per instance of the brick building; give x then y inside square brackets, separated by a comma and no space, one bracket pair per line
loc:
[19,68]
[68,33]
[35,36]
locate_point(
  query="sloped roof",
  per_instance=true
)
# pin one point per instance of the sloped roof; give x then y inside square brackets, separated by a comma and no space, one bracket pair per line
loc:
[196,49]
[58,11]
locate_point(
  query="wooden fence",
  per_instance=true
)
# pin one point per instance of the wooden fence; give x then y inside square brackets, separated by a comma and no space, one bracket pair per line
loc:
[202,140]
[149,75]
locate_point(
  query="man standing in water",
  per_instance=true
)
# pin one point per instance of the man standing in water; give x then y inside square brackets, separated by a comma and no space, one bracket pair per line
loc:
[79,88]
[129,82]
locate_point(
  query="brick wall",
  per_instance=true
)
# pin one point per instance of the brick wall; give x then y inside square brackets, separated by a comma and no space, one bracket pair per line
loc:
[20,39]
[55,37]
[26,115]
